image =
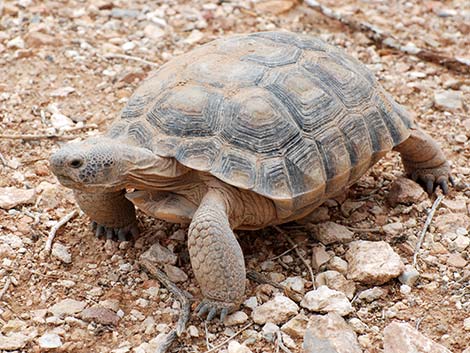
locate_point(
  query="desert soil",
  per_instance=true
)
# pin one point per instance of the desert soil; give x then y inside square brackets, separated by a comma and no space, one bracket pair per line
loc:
[62,68]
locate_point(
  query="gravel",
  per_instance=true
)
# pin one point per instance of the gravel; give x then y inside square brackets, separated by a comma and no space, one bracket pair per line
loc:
[327,300]
[373,262]
[50,340]
[448,100]
[330,333]
[11,197]
[61,252]
[237,318]
[278,310]
[57,74]
[330,232]
[401,337]
[296,326]
[67,307]
[409,276]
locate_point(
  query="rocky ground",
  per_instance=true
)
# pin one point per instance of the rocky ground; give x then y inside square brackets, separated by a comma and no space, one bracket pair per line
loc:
[68,67]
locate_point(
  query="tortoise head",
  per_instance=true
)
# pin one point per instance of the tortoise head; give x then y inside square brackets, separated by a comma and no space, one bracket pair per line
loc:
[98,163]
[82,165]
[102,164]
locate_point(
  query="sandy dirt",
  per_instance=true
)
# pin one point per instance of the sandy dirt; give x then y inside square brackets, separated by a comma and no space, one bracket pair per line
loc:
[63,66]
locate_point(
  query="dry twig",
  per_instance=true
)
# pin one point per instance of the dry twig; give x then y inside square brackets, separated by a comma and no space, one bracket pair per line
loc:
[180,295]
[3,160]
[284,253]
[280,344]
[365,230]
[35,216]
[426,226]
[260,278]
[61,136]
[418,322]
[381,37]
[55,228]
[33,137]
[213,349]
[206,335]
[291,242]
[5,287]
[130,57]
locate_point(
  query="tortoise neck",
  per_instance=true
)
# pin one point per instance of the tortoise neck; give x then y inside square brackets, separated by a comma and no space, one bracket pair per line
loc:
[148,170]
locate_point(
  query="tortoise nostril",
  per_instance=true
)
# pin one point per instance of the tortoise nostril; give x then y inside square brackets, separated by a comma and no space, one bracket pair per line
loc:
[76,163]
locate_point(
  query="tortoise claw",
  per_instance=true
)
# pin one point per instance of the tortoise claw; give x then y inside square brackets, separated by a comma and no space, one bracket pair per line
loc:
[211,314]
[109,233]
[432,178]
[100,230]
[116,234]
[122,234]
[223,314]
[429,183]
[212,308]
[202,308]
[452,180]
[442,182]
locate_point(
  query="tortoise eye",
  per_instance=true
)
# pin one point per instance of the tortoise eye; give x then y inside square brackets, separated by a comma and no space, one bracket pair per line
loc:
[76,163]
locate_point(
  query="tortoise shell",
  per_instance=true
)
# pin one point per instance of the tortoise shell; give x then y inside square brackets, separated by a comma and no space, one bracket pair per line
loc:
[281,114]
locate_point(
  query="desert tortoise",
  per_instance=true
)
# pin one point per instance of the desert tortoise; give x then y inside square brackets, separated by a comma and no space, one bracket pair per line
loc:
[243,132]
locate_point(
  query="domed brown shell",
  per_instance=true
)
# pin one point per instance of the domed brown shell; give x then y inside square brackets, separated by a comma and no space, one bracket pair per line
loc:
[282,114]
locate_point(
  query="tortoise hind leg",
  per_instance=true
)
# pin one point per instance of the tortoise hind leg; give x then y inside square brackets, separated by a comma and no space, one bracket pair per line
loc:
[425,162]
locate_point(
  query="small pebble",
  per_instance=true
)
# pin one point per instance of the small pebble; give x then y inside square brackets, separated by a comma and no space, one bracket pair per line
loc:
[50,340]
[237,318]
[287,259]
[128,46]
[319,256]
[295,283]
[357,325]
[251,302]
[461,243]
[337,264]
[235,347]
[175,274]
[193,331]
[461,138]
[277,310]
[448,100]
[67,307]
[456,260]
[371,294]
[405,289]
[466,324]
[324,299]
[409,276]
[269,331]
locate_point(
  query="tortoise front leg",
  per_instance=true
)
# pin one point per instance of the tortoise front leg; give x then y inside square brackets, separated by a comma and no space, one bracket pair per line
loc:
[216,257]
[425,162]
[111,213]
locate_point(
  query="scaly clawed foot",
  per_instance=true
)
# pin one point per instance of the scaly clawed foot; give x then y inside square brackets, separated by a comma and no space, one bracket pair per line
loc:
[213,307]
[116,234]
[431,178]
